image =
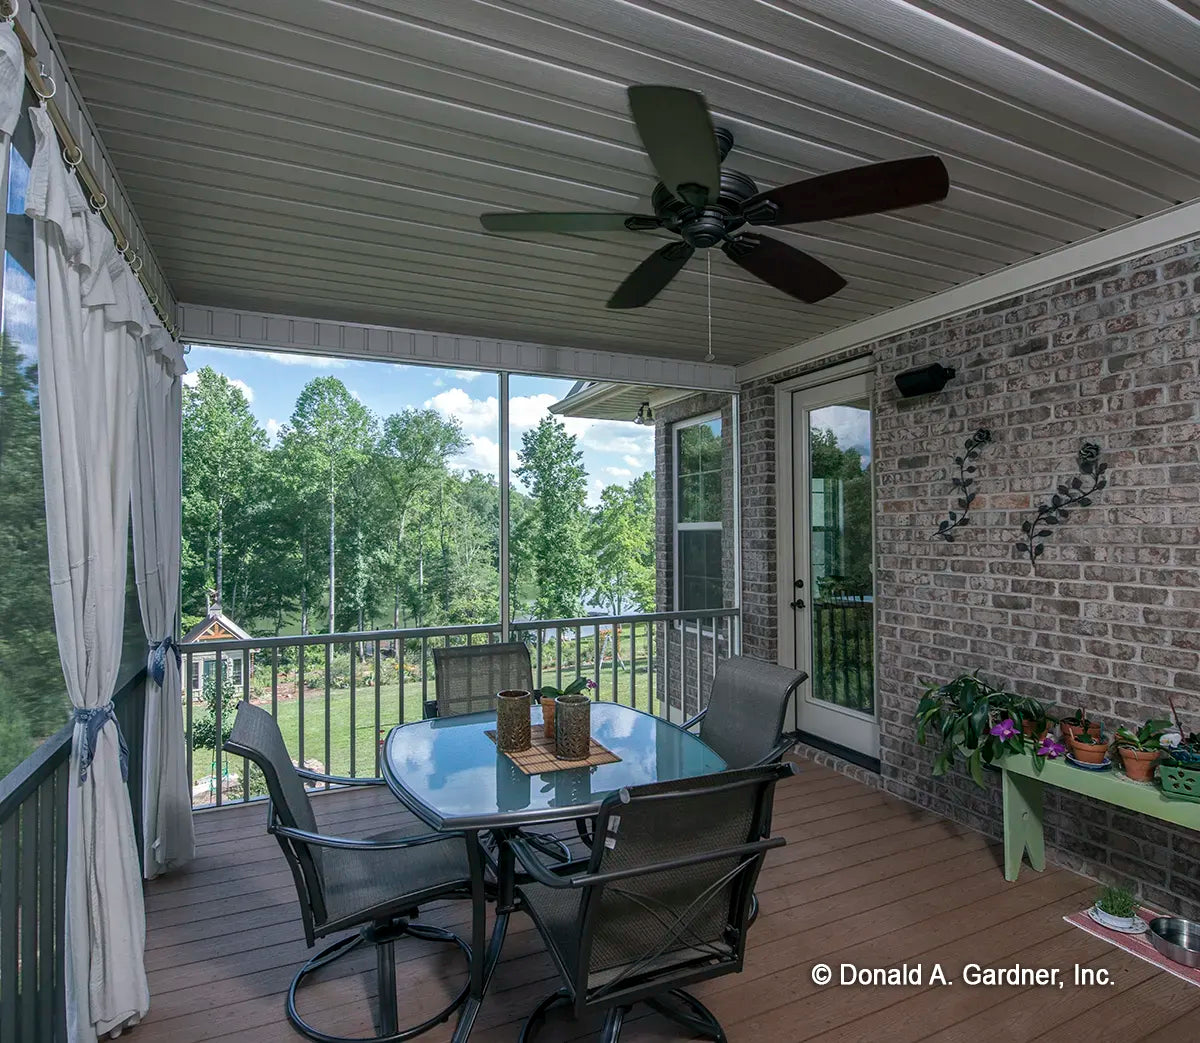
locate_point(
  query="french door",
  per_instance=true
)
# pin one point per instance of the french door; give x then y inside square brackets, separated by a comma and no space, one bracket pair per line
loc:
[827,559]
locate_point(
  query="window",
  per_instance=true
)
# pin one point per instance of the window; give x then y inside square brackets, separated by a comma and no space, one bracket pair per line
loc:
[699,508]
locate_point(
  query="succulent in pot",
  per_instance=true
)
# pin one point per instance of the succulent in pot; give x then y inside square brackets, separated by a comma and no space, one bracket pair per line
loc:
[1117,908]
[1088,748]
[1078,722]
[1140,750]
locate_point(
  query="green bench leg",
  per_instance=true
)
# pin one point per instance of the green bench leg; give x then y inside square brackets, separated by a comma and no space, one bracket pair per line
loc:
[1022,824]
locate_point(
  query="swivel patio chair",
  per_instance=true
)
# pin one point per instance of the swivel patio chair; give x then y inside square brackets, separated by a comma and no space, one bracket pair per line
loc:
[663,902]
[375,883]
[467,677]
[743,720]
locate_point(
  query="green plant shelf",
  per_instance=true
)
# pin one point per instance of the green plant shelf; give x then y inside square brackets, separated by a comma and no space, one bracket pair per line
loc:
[1023,785]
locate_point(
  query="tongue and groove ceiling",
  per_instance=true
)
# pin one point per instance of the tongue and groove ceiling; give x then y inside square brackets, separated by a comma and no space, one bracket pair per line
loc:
[330,159]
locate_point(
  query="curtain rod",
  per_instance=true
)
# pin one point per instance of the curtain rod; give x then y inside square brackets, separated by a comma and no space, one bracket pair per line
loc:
[70,148]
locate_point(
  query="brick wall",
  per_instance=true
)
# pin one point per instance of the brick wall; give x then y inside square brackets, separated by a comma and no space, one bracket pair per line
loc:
[1111,618]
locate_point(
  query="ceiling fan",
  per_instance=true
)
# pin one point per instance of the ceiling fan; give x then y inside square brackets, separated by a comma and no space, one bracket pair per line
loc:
[707,206]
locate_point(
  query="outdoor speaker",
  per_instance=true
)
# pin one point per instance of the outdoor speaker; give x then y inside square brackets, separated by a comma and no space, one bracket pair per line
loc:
[923,381]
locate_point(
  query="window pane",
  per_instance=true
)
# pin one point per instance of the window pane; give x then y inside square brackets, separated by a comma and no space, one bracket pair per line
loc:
[700,573]
[33,701]
[700,456]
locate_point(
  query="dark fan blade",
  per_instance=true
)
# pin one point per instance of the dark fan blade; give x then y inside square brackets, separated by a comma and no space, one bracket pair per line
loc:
[677,132]
[784,267]
[847,193]
[565,222]
[650,277]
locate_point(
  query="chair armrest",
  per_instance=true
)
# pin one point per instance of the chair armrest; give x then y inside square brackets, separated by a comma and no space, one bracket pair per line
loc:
[356,844]
[753,848]
[784,746]
[534,867]
[338,780]
[688,725]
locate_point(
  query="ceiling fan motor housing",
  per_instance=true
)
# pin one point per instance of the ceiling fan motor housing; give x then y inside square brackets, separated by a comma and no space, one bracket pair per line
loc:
[709,225]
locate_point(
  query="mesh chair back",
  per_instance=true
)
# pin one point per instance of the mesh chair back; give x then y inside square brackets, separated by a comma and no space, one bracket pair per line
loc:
[256,735]
[469,676]
[744,720]
[669,920]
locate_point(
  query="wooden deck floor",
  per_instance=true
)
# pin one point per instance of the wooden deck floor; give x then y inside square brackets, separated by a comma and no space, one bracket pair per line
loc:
[865,879]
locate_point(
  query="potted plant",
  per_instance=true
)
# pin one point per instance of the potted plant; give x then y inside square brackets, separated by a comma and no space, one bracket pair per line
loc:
[1088,748]
[548,693]
[1117,909]
[1035,721]
[1078,722]
[968,717]
[1141,749]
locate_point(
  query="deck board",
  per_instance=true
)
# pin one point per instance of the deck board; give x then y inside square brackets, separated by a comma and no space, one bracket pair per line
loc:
[865,879]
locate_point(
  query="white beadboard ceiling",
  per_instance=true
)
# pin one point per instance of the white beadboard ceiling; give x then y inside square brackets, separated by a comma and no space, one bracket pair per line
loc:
[330,158]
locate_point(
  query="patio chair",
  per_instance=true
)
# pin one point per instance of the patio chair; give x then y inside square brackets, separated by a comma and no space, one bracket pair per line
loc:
[375,883]
[743,720]
[663,902]
[467,677]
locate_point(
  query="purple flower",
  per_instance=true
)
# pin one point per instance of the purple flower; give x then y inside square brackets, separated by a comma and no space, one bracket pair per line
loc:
[1051,748]
[1006,729]
[591,684]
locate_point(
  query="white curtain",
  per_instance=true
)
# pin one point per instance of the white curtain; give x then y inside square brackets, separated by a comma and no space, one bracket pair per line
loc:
[88,380]
[168,839]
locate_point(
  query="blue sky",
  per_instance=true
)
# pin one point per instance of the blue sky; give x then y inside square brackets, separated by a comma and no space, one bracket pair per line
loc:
[614,451]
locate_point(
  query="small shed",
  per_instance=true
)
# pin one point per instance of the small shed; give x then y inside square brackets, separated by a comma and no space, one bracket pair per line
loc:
[215,626]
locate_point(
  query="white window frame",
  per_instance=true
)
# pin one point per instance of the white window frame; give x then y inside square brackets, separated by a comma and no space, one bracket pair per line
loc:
[676,524]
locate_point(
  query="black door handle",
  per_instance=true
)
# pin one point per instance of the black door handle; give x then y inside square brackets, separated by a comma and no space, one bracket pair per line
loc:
[798,603]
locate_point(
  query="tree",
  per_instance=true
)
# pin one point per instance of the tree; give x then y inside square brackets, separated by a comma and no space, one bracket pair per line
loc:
[621,540]
[551,466]
[33,700]
[331,433]
[847,526]
[222,449]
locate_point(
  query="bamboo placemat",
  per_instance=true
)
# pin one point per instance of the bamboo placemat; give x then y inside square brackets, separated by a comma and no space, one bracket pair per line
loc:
[539,758]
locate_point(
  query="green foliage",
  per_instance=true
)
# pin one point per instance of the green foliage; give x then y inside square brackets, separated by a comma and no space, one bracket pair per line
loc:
[1147,737]
[621,544]
[204,728]
[548,691]
[551,467]
[33,701]
[959,717]
[1116,901]
[847,481]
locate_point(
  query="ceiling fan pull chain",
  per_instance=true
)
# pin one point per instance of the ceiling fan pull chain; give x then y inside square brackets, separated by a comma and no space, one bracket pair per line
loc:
[708,264]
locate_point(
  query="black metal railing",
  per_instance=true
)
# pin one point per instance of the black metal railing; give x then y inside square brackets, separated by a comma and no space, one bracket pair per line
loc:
[844,652]
[33,874]
[336,695]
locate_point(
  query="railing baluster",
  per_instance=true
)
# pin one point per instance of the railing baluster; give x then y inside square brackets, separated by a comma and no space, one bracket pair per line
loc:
[665,646]
[62,779]
[424,674]
[328,646]
[714,647]
[247,661]
[633,666]
[188,696]
[683,668]
[596,657]
[10,901]
[578,630]
[558,657]
[400,675]
[48,807]
[300,705]
[699,664]
[615,632]
[540,632]
[275,682]
[650,671]
[353,708]
[378,722]
[218,765]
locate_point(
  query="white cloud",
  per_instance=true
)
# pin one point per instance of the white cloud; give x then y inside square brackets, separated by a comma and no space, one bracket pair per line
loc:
[191,378]
[850,426]
[287,358]
[468,374]
[273,427]
[635,461]
[244,388]
[620,473]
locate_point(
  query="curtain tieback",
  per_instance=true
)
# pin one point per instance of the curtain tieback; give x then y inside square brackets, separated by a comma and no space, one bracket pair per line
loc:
[94,718]
[156,665]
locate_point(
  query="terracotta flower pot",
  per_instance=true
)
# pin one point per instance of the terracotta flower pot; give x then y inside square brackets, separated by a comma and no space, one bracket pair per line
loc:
[1069,731]
[1138,764]
[1027,731]
[1089,753]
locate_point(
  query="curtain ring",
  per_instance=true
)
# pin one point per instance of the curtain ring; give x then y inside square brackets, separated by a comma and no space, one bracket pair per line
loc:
[153,299]
[45,78]
[128,252]
[136,264]
[13,8]
[101,204]
[66,154]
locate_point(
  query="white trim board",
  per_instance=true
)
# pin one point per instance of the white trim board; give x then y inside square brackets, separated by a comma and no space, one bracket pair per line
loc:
[202,324]
[1177,225]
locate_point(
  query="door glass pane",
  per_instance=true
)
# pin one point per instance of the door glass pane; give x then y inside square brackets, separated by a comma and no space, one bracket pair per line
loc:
[841,584]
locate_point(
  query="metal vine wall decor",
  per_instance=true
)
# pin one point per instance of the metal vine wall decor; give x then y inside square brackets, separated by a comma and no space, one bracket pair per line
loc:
[963,483]
[1091,470]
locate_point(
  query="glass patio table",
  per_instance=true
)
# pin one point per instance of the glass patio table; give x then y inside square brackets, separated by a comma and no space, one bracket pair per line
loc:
[448,772]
